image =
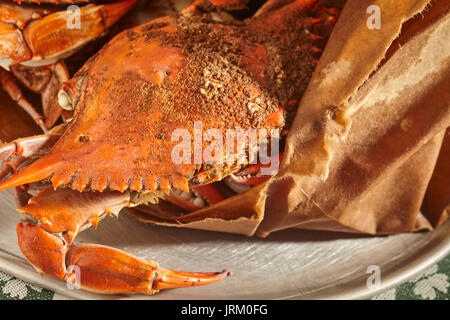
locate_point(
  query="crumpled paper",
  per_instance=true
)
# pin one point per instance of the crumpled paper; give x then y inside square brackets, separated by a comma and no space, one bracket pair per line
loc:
[365,152]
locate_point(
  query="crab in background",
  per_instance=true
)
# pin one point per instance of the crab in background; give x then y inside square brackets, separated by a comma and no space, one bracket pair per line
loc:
[34,40]
[113,149]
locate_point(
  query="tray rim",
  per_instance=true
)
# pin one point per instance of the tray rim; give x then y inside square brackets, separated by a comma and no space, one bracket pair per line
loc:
[414,265]
[431,253]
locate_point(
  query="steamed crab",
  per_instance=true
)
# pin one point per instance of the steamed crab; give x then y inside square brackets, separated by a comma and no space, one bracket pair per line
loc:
[128,99]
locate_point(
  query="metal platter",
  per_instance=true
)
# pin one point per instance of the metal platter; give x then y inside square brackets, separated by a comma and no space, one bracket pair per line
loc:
[291,264]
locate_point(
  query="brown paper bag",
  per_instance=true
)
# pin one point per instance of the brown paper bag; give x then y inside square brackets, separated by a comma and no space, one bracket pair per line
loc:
[366,137]
[437,199]
[373,157]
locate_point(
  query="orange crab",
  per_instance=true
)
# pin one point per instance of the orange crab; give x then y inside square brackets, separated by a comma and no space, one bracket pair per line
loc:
[35,39]
[128,100]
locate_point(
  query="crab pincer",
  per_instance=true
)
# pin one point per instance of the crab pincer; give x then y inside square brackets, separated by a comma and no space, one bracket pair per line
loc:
[52,219]
[102,269]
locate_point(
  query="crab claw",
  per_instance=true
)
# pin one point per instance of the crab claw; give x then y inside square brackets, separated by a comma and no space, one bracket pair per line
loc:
[102,269]
[59,34]
[53,218]
[167,278]
[13,154]
[107,270]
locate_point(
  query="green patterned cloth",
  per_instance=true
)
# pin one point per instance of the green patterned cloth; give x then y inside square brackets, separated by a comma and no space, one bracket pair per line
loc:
[14,289]
[433,284]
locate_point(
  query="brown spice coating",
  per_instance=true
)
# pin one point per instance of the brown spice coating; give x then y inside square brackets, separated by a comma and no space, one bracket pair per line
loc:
[164,75]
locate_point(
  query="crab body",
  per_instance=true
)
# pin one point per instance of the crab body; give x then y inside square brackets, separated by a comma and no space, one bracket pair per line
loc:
[165,75]
[128,100]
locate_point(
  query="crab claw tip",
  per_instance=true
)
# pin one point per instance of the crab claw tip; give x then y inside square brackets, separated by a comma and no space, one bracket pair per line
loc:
[167,278]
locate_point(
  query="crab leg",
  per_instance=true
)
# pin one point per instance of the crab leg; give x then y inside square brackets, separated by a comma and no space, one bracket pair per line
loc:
[17,152]
[11,166]
[52,220]
[9,84]
[21,196]
[251,174]
[205,5]
[46,81]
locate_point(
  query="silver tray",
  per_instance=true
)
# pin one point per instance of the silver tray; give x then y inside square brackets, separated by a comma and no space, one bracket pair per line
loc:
[290,264]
